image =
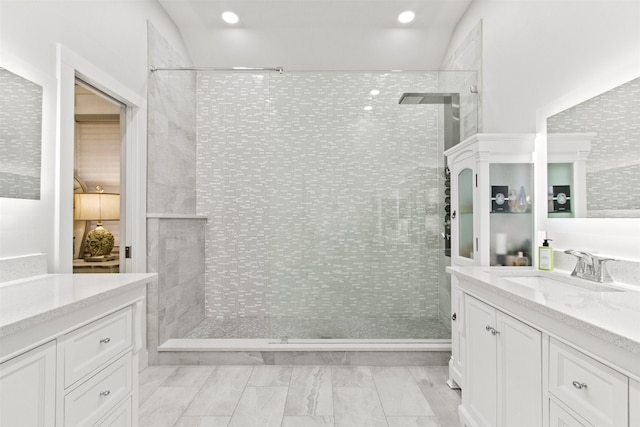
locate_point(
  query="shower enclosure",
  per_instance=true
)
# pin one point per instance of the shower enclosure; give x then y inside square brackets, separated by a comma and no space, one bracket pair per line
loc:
[323,197]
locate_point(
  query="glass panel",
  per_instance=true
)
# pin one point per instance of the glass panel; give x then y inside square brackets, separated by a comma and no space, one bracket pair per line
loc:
[560,197]
[465,210]
[325,198]
[512,228]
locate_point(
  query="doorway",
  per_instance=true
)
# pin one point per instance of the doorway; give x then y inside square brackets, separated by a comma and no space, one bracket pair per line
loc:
[98,180]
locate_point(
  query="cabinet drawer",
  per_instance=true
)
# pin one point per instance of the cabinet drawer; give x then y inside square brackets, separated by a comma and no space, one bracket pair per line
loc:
[87,348]
[119,417]
[558,417]
[92,400]
[591,389]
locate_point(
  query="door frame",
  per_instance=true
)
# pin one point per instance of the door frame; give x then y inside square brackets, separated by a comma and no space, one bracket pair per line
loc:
[70,66]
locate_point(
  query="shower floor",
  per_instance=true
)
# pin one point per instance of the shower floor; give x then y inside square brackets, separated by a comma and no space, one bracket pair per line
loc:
[350,328]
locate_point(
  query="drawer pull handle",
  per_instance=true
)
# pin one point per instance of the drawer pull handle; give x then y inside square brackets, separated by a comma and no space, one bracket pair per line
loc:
[105,393]
[454,317]
[492,330]
[105,340]
[579,385]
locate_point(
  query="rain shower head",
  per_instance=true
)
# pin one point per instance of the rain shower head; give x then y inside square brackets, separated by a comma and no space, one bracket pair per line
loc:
[450,102]
[409,98]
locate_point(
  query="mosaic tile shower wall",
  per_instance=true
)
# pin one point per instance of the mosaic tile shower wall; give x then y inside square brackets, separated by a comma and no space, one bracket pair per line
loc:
[318,208]
[613,166]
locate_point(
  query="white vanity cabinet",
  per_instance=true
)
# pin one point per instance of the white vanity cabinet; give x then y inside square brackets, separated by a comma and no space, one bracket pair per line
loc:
[481,233]
[487,226]
[74,362]
[503,369]
[28,388]
[529,360]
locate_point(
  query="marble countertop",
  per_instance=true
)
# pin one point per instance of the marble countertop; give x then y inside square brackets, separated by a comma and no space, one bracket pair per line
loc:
[611,316]
[27,302]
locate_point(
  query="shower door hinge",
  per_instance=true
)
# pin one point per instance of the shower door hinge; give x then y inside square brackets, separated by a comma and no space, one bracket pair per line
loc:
[127,251]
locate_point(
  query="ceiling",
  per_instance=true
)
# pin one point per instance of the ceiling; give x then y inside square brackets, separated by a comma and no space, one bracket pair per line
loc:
[317,34]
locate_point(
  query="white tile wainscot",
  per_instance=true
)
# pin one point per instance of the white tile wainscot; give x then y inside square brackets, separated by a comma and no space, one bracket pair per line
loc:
[588,348]
[69,349]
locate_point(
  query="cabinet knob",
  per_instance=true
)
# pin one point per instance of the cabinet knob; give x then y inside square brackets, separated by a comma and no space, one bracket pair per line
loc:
[454,317]
[105,340]
[494,332]
[105,393]
[488,328]
[579,385]
[453,215]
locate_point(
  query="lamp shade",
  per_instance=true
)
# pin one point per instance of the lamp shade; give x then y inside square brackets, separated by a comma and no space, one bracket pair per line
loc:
[96,206]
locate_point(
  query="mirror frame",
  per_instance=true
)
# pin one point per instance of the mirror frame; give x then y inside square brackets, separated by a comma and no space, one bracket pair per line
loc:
[614,237]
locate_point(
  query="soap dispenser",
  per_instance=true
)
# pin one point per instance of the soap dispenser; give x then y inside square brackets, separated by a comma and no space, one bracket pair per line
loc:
[545,256]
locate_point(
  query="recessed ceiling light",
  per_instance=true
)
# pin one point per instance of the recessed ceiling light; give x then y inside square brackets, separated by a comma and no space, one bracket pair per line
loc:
[368,108]
[230,18]
[375,92]
[406,17]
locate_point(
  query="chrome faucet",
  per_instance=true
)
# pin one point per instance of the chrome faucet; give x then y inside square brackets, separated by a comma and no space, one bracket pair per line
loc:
[590,267]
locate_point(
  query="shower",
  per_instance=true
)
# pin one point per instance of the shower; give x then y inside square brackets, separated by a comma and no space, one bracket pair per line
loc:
[322,197]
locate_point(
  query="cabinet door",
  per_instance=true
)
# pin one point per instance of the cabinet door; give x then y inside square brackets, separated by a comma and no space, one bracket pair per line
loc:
[27,388]
[462,214]
[634,403]
[480,392]
[457,335]
[519,373]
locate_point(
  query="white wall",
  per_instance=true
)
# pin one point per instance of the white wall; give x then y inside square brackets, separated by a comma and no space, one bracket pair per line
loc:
[111,35]
[535,51]
[542,56]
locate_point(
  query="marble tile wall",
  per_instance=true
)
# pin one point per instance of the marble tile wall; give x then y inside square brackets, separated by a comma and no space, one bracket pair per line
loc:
[317,207]
[176,301]
[171,140]
[175,246]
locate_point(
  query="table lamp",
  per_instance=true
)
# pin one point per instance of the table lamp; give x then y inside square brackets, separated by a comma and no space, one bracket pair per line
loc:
[97,207]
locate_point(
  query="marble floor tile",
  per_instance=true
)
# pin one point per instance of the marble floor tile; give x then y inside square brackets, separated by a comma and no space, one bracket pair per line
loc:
[165,406]
[310,391]
[358,407]
[270,376]
[413,422]
[443,400]
[203,422]
[188,376]
[297,396]
[151,378]
[307,421]
[260,407]
[221,392]
[399,392]
[352,376]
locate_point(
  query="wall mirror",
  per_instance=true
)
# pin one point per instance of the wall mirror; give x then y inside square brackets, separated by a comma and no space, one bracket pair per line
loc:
[20,136]
[593,156]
